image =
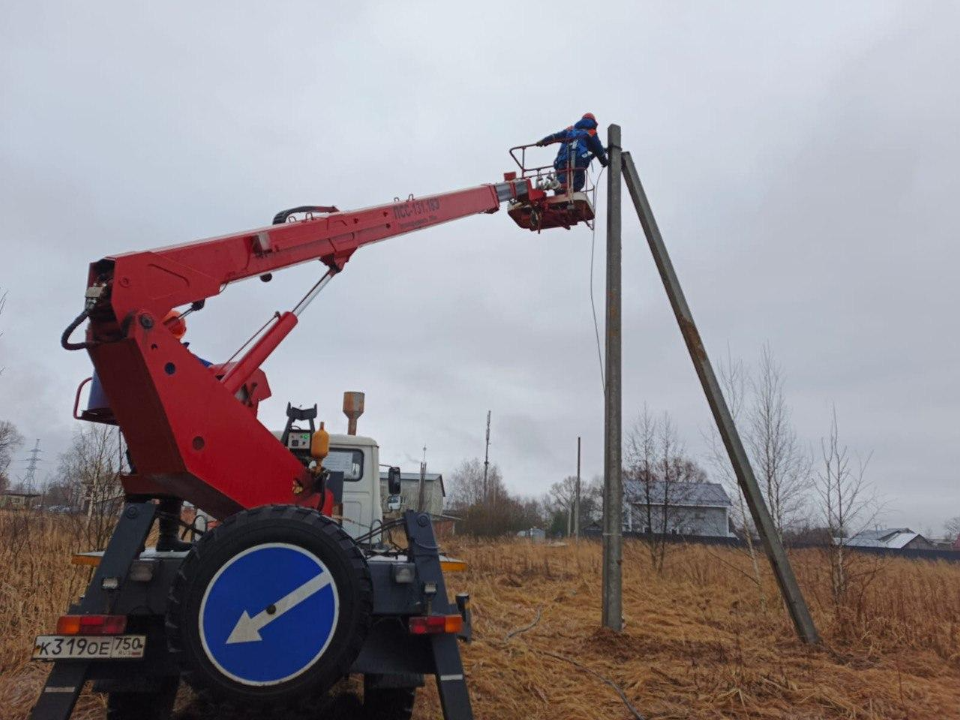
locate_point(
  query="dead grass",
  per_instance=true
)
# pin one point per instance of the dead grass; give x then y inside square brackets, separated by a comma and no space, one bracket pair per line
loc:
[697,643]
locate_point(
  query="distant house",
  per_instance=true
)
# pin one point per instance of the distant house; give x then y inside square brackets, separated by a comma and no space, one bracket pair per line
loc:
[676,508]
[433,493]
[19,501]
[890,539]
[533,534]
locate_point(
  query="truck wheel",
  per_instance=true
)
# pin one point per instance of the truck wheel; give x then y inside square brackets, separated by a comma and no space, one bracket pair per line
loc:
[389,703]
[156,705]
[270,609]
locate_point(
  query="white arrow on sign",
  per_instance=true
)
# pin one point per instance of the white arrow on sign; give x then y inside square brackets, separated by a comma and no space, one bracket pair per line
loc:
[248,628]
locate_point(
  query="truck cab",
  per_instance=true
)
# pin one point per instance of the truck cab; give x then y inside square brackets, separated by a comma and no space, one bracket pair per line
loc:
[358,458]
[354,457]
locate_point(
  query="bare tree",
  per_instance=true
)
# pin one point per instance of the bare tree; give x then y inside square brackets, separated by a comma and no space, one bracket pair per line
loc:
[676,474]
[847,504]
[10,442]
[89,480]
[782,465]
[952,527]
[591,500]
[734,380]
[562,497]
[467,484]
[641,456]
[489,510]
[659,478]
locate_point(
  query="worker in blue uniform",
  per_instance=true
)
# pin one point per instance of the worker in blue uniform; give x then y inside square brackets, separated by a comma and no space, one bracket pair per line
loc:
[579,144]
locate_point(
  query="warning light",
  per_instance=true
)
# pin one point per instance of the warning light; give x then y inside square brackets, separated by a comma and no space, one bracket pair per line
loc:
[435,624]
[91,624]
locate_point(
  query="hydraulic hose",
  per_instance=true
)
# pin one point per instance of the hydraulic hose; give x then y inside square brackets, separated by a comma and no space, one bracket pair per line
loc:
[281,217]
[65,338]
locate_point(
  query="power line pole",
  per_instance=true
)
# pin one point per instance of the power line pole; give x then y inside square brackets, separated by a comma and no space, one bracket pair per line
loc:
[486,461]
[612,465]
[789,588]
[576,501]
[31,477]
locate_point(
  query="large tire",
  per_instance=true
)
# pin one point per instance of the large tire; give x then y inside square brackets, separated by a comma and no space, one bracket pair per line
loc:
[154,705]
[389,703]
[275,543]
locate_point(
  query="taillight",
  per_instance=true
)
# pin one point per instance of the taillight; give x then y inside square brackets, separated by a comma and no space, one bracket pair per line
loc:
[91,624]
[435,624]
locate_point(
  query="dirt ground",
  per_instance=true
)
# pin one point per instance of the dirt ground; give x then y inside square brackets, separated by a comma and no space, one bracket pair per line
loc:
[702,640]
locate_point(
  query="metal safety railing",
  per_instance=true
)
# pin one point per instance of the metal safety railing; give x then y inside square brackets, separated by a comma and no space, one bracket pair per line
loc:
[545,176]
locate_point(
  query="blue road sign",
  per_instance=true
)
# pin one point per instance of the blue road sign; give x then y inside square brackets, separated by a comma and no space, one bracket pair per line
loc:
[269,614]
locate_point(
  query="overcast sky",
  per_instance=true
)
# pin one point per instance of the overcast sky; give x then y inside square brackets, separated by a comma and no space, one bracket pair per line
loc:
[801,159]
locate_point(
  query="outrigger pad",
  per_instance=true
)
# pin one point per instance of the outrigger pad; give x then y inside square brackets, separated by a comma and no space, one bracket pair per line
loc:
[555,211]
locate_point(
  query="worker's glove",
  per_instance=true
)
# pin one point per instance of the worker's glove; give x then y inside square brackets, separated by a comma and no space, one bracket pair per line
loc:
[603,161]
[542,143]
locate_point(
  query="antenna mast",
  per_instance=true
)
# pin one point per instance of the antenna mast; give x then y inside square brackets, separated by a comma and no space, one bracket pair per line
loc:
[486,461]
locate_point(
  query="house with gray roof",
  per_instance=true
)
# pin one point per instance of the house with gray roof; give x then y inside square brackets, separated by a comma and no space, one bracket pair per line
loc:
[890,539]
[679,508]
[19,500]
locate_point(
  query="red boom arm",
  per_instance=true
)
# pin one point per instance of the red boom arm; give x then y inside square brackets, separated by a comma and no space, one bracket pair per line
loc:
[189,428]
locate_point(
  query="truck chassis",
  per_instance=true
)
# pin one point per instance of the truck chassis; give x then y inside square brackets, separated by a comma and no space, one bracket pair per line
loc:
[137,583]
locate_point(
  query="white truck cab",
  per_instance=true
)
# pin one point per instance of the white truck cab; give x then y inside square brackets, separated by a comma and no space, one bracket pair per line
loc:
[358,458]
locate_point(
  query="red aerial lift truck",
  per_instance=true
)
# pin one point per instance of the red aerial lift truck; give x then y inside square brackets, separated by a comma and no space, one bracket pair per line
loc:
[277,603]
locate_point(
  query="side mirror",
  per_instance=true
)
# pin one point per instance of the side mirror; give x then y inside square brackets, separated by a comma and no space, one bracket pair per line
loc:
[393,481]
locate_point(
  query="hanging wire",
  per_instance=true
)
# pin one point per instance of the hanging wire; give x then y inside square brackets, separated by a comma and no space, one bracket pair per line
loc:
[593,305]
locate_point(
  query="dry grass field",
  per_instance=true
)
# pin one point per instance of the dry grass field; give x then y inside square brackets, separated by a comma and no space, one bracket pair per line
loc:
[700,642]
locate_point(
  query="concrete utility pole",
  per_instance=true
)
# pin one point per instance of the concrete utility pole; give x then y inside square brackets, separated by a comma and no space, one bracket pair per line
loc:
[486,460]
[612,417]
[789,588]
[421,490]
[576,500]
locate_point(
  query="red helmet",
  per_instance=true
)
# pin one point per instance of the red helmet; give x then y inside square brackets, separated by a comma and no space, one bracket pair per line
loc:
[589,116]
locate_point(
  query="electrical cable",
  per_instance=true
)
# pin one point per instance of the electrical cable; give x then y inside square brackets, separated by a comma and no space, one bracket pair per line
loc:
[383,527]
[593,305]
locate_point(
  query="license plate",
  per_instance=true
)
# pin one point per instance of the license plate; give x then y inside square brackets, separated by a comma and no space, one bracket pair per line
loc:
[79,647]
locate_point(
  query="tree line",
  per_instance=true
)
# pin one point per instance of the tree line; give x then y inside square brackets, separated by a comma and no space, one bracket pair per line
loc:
[810,494]
[814,491]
